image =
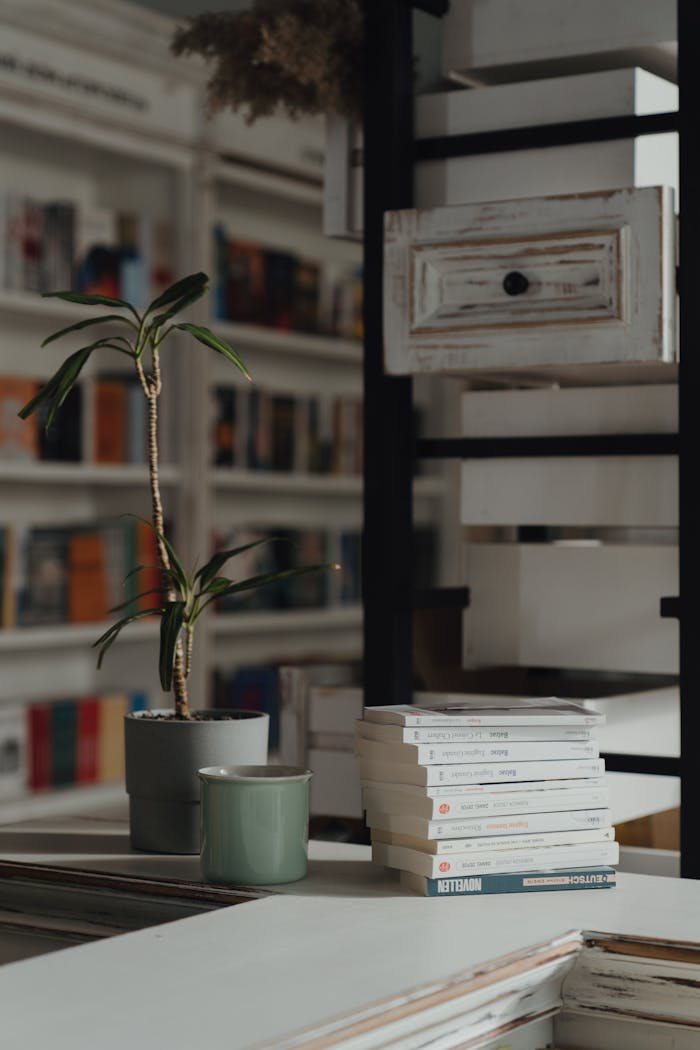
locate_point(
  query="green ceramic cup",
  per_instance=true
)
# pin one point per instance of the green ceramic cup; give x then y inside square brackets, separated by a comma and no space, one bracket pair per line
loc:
[255,824]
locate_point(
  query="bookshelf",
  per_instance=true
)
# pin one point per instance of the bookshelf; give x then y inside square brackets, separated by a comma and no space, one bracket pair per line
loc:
[129,133]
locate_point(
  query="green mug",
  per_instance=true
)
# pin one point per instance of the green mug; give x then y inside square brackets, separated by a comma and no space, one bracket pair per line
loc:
[255,824]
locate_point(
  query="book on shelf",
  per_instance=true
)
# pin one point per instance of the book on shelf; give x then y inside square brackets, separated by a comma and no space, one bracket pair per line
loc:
[589,878]
[13,750]
[42,575]
[63,732]
[250,687]
[478,751]
[7,576]
[111,427]
[88,590]
[511,825]
[479,772]
[454,709]
[535,859]
[282,431]
[40,747]
[63,440]
[87,739]
[494,843]
[435,803]
[19,439]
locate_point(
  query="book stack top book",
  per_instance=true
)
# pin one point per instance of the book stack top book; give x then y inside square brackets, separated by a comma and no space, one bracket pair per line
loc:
[487,794]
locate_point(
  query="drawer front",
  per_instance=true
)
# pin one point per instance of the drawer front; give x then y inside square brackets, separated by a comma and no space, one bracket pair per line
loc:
[586,279]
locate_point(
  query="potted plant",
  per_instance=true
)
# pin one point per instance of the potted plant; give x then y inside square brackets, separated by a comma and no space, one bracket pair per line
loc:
[165,748]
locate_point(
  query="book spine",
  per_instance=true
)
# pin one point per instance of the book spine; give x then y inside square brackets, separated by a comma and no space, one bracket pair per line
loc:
[87,732]
[447,754]
[482,734]
[454,806]
[40,747]
[63,736]
[591,878]
[458,847]
[525,860]
[479,772]
[512,825]
[13,750]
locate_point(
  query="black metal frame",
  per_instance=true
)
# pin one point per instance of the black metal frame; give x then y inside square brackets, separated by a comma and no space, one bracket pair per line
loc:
[389,154]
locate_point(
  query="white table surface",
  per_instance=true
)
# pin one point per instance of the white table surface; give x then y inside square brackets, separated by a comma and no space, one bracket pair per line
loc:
[252,974]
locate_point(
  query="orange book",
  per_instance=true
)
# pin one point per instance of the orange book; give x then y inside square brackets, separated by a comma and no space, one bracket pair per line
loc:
[110,737]
[147,555]
[88,600]
[110,421]
[19,438]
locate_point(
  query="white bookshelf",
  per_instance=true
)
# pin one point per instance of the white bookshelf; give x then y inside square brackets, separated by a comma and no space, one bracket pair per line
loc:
[158,155]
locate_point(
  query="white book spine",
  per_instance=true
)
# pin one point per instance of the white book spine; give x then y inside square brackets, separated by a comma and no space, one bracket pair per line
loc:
[467,735]
[490,826]
[479,772]
[535,859]
[483,805]
[449,754]
[474,790]
[501,842]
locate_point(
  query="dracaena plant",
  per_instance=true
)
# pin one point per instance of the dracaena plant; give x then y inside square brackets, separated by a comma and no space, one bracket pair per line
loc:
[182,596]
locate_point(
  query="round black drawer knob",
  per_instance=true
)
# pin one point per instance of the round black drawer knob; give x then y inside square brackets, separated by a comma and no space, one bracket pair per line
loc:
[515,283]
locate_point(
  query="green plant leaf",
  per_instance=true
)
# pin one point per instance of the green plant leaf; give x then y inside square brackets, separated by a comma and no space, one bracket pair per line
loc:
[207,337]
[177,572]
[128,602]
[266,578]
[56,390]
[111,634]
[160,319]
[86,324]
[170,625]
[90,300]
[180,289]
[218,560]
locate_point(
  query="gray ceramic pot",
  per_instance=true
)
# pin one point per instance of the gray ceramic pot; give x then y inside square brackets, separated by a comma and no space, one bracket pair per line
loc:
[162,759]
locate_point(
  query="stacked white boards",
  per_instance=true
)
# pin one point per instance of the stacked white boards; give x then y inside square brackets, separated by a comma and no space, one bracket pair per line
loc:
[487,795]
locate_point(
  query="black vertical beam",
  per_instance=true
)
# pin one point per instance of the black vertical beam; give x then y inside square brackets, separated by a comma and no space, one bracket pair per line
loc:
[689,432]
[388,527]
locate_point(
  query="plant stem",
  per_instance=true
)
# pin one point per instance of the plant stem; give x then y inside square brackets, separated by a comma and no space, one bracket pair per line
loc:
[153,388]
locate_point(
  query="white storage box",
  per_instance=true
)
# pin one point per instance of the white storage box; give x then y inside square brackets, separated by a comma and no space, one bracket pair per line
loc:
[589,607]
[648,160]
[497,40]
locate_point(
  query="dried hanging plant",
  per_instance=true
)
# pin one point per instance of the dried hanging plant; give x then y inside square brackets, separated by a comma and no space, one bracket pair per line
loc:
[304,55]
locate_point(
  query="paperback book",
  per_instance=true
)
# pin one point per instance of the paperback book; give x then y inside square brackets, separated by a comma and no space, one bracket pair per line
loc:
[590,878]
[537,858]
[489,799]
[479,772]
[517,824]
[499,843]
[398,734]
[448,754]
[451,709]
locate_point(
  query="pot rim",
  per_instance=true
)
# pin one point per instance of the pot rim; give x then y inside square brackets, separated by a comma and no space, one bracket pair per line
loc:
[272,774]
[213,714]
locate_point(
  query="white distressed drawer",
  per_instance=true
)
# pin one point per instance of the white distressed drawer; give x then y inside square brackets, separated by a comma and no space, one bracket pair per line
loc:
[563,605]
[540,283]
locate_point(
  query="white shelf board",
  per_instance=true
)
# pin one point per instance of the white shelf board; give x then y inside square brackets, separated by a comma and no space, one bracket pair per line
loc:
[33,306]
[232,173]
[60,801]
[67,635]
[106,474]
[326,484]
[283,341]
[328,618]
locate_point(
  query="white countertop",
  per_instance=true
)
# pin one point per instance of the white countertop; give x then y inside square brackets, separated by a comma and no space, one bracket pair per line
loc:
[249,975]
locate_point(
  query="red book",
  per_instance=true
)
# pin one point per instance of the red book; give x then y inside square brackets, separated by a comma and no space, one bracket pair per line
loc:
[87,742]
[40,747]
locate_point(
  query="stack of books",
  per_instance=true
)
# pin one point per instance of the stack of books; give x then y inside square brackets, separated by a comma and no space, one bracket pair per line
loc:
[487,794]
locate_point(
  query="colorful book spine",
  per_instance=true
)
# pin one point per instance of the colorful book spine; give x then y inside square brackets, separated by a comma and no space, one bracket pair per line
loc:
[88,729]
[591,878]
[40,747]
[63,742]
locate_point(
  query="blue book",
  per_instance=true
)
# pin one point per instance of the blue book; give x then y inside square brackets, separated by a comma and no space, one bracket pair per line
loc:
[601,878]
